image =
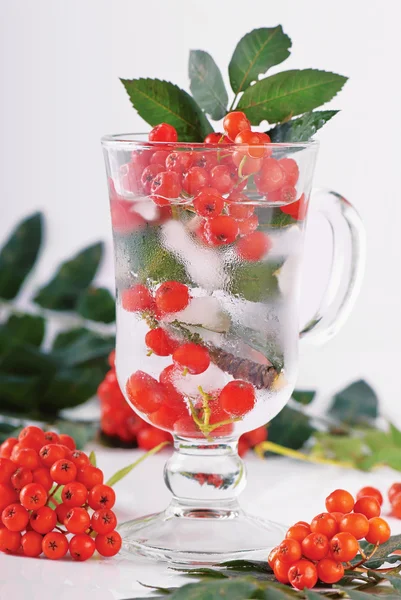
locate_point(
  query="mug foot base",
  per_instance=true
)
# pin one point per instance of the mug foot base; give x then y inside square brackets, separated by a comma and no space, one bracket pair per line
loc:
[192,537]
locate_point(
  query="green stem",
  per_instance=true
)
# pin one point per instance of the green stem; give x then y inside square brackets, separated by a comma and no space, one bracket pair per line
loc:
[233,103]
[260,449]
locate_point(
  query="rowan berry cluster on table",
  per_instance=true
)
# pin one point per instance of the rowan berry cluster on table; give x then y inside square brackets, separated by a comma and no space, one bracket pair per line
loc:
[120,423]
[32,521]
[324,548]
[209,184]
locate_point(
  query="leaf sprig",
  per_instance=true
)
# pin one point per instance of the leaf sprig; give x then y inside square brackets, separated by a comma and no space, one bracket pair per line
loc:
[277,98]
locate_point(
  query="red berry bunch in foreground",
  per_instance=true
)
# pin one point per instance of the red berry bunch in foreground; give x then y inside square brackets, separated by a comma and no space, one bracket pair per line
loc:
[320,549]
[32,521]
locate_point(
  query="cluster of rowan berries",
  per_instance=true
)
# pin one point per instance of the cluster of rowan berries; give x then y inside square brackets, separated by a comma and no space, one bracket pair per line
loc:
[320,549]
[32,521]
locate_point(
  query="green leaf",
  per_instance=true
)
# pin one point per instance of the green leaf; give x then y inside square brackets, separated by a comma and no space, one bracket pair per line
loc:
[390,456]
[301,129]
[256,281]
[356,595]
[92,458]
[17,392]
[207,85]
[255,53]
[81,432]
[216,590]
[290,93]
[97,304]
[82,346]
[126,470]
[247,566]
[310,595]
[340,447]
[355,404]
[384,550]
[163,102]
[304,397]
[71,386]
[290,428]
[396,435]
[71,279]
[377,440]
[19,255]
[26,328]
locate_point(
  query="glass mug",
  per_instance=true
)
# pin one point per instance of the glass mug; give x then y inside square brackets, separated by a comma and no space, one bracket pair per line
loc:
[208,242]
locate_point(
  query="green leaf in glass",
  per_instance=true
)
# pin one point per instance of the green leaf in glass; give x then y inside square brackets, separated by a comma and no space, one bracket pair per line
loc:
[159,101]
[71,279]
[207,85]
[255,53]
[97,304]
[19,255]
[289,93]
[302,128]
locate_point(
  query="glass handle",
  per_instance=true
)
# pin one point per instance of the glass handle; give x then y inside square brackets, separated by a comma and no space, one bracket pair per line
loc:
[347,265]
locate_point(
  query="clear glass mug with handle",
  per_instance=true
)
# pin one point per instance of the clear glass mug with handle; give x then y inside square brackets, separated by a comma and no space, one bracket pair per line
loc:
[208,242]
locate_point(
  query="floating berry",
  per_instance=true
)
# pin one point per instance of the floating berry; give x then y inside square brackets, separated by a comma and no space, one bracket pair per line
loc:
[90,476]
[108,544]
[63,471]
[163,133]
[103,521]
[187,428]
[194,180]
[355,524]
[208,202]
[33,496]
[291,170]
[326,524]
[124,219]
[159,157]
[74,494]
[368,506]
[20,478]
[101,496]
[179,162]
[298,532]
[216,138]
[222,178]
[150,437]
[344,546]
[7,496]
[205,160]
[254,246]
[192,357]
[237,398]
[166,184]
[289,551]
[287,194]
[235,122]
[271,176]
[145,392]
[315,546]
[160,342]
[31,543]
[330,571]
[255,148]
[302,574]
[248,225]
[43,520]
[137,298]
[172,296]
[77,520]
[82,547]
[15,517]
[149,175]
[297,210]
[10,541]
[238,206]
[370,491]
[221,230]
[55,545]
[166,416]
[340,501]
[246,165]
[379,531]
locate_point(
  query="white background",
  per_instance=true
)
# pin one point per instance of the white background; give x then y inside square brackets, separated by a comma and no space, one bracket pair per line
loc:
[60,64]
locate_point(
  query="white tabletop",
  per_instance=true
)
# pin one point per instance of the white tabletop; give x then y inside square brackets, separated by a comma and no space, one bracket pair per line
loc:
[279,489]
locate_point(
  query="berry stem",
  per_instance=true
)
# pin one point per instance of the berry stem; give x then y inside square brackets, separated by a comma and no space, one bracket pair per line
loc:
[241,165]
[260,449]
[53,492]
[364,557]
[61,530]
[205,405]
